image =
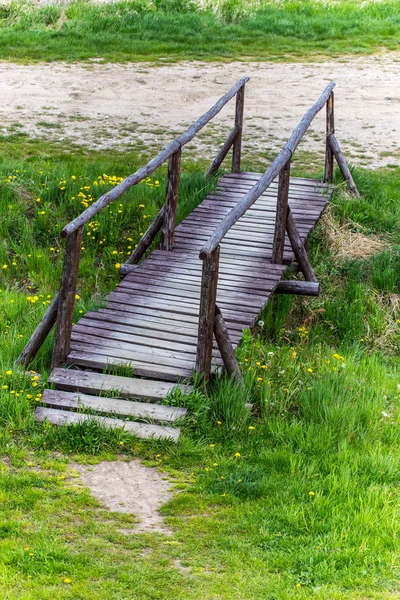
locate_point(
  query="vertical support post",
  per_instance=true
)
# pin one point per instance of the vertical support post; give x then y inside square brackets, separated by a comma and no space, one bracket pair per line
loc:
[281,214]
[330,128]
[171,200]
[208,296]
[237,146]
[66,301]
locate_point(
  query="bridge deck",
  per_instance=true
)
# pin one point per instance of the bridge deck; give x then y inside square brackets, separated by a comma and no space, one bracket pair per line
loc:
[151,318]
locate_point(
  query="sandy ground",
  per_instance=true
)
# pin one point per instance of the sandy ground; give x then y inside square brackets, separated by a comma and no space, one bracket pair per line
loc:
[129,487]
[142,106]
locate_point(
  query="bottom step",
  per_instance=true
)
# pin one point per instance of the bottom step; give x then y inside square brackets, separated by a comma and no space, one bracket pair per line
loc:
[125,408]
[142,430]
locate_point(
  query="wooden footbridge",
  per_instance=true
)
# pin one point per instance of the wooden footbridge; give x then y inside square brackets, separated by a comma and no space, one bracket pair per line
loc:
[183,308]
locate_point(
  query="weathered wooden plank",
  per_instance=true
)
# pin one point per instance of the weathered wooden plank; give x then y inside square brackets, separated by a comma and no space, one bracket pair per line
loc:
[138,331]
[190,299]
[141,430]
[126,408]
[91,328]
[98,361]
[101,383]
[110,347]
[148,316]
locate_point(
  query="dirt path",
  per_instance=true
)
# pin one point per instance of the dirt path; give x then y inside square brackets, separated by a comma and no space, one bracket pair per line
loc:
[129,487]
[136,105]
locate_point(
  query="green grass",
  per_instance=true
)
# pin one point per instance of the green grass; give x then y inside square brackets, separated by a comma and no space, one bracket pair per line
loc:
[298,499]
[232,29]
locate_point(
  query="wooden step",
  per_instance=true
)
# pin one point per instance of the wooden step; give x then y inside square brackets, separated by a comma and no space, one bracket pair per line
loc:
[89,382]
[141,430]
[127,408]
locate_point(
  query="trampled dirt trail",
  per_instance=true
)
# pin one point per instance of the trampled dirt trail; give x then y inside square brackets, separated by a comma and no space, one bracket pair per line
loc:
[142,106]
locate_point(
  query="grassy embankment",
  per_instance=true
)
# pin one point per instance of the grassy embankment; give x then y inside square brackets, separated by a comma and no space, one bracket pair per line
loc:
[183,29]
[301,499]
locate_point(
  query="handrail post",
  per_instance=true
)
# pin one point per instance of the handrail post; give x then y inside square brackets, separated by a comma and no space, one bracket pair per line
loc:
[171,200]
[65,313]
[281,214]
[237,145]
[330,128]
[208,297]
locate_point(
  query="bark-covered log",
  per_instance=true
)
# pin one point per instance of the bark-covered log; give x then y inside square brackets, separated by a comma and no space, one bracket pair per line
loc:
[298,249]
[147,238]
[216,163]
[330,128]
[300,288]
[171,201]
[225,346]
[40,334]
[67,292]
[341,161]
[281,215]
[237,146]
[208,297]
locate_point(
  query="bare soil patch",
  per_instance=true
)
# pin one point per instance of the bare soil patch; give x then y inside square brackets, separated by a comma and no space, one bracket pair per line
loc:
[129,487]
[142,106]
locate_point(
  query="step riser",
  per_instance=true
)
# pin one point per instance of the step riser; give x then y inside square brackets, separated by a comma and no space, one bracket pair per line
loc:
[141,430]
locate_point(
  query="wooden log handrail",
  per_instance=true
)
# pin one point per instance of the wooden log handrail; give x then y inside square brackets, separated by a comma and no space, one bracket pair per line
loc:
[154,163]
[270,174]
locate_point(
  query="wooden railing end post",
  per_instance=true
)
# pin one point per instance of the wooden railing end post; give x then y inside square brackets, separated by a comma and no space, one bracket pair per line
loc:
[208,296]
[330,128]
[66,304]
[237,145]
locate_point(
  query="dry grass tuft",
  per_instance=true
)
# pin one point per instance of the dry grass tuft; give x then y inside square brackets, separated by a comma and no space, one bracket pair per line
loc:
[389,337]
[344,242]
